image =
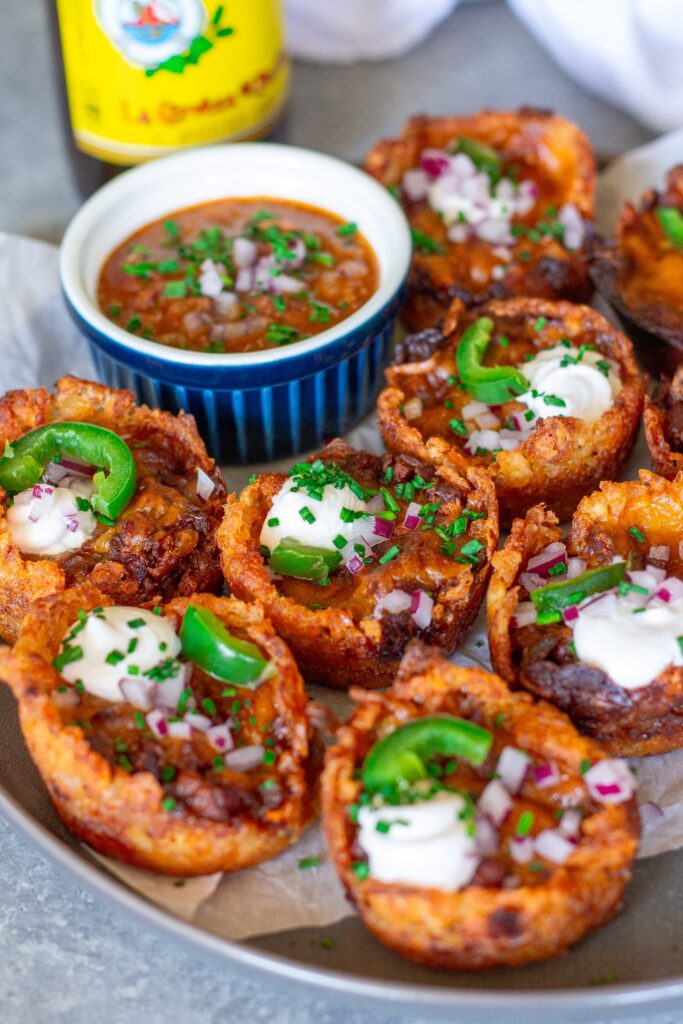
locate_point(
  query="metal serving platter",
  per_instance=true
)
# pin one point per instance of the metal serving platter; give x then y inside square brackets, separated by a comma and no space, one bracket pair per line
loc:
[633,965]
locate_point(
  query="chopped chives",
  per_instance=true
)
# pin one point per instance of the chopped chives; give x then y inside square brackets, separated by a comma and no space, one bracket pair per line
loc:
[458,427]
[525,823]
[308,862]
[636,534]
[388,555]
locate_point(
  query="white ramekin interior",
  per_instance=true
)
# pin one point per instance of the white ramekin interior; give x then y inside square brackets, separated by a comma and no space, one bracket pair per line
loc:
[266,170]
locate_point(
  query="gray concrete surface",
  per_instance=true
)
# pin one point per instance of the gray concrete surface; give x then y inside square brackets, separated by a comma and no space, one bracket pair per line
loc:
[63,955]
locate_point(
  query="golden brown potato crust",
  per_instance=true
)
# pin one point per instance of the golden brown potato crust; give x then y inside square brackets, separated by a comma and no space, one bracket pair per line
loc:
[628,723]
[481,926]
[663,420]
[162,545]
[641,274]
[331,644]
[119,813]
[546,148]
[565,458]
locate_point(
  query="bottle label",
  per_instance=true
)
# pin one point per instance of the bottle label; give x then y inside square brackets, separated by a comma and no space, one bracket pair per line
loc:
[145,77]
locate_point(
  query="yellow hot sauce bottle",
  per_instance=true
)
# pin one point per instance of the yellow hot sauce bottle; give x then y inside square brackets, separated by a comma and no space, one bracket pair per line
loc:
[144,78]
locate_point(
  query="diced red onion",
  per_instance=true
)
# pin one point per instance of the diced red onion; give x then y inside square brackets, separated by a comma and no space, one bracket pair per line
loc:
[461,166]
[512,767]
[72,524]
[521,849]
[458,233]
[495,231]
[198,721]
[670,589]
[474,409]
[412,516]
[519,421]
[245,758]
[68,698]
[570,823]
[495,802]
[226,303]
[487,421]
[575,567]
[421,609]
[660,552]
[37,491]
[546,775]
[382,528]
[551,555]
[54,472]
[570,614]
[642,578]
[210,280]
[285,284]
[156,720]
[220,737]
[485,836]
[137,691]
[434,162]
[354,564]
[650,814]
[167,692]
[376,504]
[600,604]
[553,846]
[244,280]
[610,781]
[180,730]
[205,485]
[574,227]
[412,408]
[244,252]
[416,184]
[394,602]
[532,581]
[658,575]
[525,615]
[78,468]
[35,514]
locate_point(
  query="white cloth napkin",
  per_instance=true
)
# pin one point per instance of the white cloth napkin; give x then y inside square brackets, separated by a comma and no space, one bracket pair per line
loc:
[344,31]
[629,52]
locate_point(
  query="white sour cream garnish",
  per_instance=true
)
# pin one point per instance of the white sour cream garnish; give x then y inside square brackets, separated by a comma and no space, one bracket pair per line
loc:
[631,648]
[327,524]
[587,391]
[46,520]
[427,843]
[111,631]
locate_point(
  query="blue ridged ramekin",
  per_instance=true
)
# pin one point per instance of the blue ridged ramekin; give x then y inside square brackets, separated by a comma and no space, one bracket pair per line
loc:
[257,406]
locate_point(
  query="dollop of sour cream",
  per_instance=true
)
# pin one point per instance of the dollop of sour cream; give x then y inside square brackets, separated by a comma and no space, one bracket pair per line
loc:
[317,529]
[562,384]
[427,843]
[46,520]
[112,642]
[631,647]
